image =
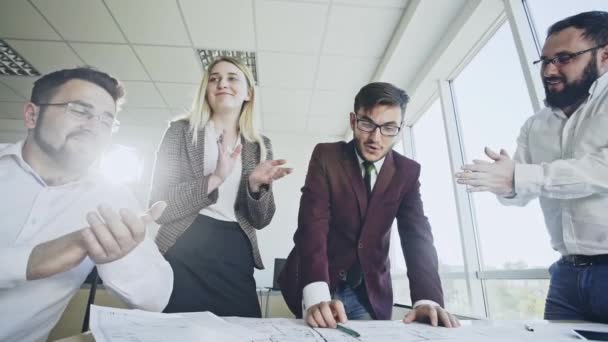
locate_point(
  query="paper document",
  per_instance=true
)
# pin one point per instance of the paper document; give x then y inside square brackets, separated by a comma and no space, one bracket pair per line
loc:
[120,325]
[291,330]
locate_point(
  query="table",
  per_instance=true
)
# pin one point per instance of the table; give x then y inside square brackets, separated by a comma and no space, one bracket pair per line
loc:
[87,337]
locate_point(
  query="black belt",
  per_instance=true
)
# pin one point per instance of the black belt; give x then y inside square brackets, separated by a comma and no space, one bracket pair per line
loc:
[586,260]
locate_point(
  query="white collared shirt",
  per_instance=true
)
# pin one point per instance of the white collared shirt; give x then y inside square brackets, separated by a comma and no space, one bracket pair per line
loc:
[32,213]
[318,291]
[223,208]
[564,162]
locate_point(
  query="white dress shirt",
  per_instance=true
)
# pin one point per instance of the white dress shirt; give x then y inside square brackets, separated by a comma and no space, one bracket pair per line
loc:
[223,208]
[32,213]
[318,291]
[564,162]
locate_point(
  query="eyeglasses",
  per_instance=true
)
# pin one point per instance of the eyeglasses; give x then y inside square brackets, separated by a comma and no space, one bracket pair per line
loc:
[83,114]
[370,127]
[565,58]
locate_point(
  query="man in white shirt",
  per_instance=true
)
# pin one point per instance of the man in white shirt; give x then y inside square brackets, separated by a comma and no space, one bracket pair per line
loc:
[58,219]
[562,158]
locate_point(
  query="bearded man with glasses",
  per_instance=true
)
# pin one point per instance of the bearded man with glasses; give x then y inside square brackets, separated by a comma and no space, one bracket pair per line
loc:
[562,159]
[340,268]
[59,218]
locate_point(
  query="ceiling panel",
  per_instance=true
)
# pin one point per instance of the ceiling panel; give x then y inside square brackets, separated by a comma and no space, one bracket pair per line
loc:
[118,60]
[11,110]
[46,56]
[20,84]
[325,125]
[178,95]
[373,3]
[347,74]
[290,26]
[142,94]
[326,102]
[18,19]
[226,24]
[285,122]
[161,24]
[170,64]
[8,94]
[78,20]
[285,101]
[360,31]
[286,70]
[144,116]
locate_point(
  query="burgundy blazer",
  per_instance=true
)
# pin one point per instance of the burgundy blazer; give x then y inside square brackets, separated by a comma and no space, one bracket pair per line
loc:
[337,221]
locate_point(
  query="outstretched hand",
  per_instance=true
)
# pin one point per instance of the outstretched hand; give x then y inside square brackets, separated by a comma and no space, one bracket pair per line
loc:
[267,172]
[496,177]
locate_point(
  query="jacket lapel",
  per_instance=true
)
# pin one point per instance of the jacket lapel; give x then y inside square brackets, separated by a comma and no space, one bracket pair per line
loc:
[384,177]
[249,156]
[196,152]
[350,163]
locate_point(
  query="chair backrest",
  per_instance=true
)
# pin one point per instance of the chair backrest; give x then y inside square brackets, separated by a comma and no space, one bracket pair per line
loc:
[278,266]
[93,280]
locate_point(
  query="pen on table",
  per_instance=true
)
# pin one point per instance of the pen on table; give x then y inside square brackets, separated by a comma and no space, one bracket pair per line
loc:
[528,327]
[348,331]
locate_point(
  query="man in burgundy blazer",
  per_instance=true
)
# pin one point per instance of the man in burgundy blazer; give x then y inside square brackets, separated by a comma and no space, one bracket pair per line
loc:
[346,212]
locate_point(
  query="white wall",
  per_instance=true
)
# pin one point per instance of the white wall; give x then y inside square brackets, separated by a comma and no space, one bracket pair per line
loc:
[276,240]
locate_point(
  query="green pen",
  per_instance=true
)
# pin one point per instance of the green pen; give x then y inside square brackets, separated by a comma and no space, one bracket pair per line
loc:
[348,331]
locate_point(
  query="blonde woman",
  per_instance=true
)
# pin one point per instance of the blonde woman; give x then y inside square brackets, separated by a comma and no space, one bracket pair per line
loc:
[215,172]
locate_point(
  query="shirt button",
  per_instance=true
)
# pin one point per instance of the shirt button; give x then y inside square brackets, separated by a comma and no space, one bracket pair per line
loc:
[360,245]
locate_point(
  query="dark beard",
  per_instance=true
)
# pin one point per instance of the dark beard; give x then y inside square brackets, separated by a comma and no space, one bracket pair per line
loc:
[50,150]
[574,92]
[59,155]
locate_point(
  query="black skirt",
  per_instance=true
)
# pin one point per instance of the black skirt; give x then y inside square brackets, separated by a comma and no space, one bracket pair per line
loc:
[213,266]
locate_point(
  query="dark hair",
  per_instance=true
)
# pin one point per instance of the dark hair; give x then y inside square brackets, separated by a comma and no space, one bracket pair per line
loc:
[594,24]
[48,85]
[381,93]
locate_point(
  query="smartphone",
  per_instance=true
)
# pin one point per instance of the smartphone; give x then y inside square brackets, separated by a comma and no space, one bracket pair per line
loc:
[592,335]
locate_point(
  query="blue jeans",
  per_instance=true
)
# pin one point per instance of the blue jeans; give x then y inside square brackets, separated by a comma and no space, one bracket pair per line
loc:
[577,292]
[355,301]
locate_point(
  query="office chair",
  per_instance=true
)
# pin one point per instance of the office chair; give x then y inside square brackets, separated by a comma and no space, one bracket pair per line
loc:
[93,280]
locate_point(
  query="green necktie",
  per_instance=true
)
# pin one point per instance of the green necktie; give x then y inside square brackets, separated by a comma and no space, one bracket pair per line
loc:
[369,168]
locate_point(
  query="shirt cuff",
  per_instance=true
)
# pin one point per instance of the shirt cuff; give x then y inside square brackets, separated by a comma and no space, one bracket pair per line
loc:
[314,293]
[142,278]
[14,272]
[425,301]
[528,179]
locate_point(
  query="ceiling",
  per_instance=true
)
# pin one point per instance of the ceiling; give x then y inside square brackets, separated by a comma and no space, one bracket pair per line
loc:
[312,55]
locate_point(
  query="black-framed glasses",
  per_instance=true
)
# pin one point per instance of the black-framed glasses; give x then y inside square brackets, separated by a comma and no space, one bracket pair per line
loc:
[84,113]
[565,58]
[368,126]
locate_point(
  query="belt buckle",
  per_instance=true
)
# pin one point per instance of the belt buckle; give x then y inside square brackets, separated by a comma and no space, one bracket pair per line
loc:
[579,261]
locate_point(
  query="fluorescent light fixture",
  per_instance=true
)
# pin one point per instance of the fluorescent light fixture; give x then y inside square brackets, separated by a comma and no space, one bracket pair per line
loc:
[12,64]
[249,58]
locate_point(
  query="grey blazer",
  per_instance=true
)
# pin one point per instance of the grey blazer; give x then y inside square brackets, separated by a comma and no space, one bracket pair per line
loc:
[178,179]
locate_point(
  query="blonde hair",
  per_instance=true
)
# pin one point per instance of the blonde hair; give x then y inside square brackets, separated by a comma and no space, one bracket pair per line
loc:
[200,111]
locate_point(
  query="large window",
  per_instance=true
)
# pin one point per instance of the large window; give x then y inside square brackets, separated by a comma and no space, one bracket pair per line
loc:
[492,104]
[511,247]
[437,190]
[546,12]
